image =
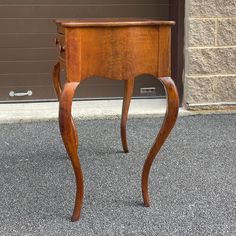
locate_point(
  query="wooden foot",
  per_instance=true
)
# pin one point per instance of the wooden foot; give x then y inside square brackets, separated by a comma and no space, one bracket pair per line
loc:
[56,80]
[70,138]
[128,91]
[168,124]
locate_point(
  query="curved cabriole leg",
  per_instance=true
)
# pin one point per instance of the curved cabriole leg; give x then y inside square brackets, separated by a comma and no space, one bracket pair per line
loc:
[70,139]
[168,124]
[128,91]
[56,80]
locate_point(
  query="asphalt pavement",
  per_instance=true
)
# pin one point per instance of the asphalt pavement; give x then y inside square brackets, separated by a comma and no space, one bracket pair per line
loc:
[192,182]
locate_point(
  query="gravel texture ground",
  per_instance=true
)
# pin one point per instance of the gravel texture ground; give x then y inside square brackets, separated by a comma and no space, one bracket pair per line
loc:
[192,182]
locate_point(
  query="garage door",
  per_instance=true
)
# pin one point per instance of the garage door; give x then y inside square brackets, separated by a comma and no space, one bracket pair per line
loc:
[27,50]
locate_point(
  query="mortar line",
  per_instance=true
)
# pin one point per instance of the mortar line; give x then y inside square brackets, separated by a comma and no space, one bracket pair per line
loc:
[219,75]
[209,47]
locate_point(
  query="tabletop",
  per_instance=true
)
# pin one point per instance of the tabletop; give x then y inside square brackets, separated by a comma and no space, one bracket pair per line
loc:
[110,22]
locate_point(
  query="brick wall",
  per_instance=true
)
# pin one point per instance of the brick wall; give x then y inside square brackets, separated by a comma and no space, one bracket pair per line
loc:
[210,54]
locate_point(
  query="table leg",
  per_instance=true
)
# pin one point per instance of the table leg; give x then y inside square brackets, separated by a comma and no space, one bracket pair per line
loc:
[168,124]
[56,79]
[70,138]
[128,91]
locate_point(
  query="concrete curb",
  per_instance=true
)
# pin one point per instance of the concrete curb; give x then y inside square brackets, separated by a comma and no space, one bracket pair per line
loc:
[89,110]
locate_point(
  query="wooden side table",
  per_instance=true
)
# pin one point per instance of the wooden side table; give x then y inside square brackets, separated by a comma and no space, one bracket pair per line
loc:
[119,49]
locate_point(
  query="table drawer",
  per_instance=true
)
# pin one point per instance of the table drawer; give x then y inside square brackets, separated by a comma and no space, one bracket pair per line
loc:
[60,42]
[60,29]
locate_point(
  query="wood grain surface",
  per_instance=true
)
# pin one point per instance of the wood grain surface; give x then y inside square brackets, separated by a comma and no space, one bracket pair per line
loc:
[115,50]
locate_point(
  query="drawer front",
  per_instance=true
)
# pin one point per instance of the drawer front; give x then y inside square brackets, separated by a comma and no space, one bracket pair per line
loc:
[60,43]
[60,29]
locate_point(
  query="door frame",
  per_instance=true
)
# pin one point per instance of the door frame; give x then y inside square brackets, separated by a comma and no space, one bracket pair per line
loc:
[177,13]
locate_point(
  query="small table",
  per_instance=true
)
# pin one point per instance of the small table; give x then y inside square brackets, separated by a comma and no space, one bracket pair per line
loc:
[118,49]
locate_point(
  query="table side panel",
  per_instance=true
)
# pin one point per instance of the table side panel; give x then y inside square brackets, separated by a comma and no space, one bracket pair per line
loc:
[143,50]
[103,52]
[164,57]
[73,54]
[113,52]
